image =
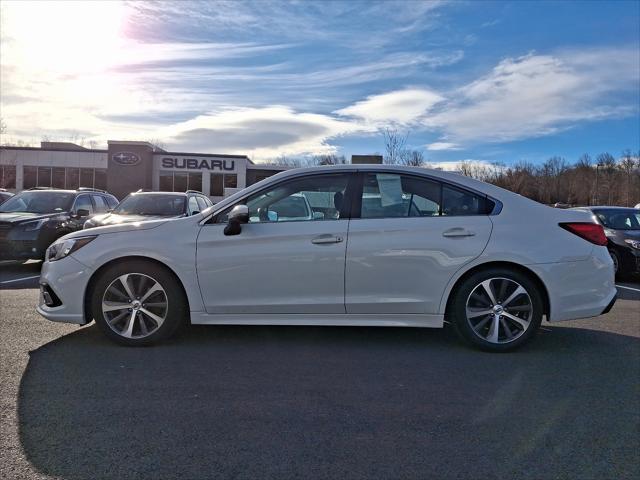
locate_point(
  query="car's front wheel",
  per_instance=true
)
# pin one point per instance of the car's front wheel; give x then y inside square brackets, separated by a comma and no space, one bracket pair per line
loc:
[138,303]
[497,309]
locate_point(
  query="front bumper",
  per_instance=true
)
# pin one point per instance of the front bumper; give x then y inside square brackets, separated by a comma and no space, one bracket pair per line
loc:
[68,279]
[20,250]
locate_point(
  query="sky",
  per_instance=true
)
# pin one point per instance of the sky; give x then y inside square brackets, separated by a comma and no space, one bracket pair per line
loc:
[464,80]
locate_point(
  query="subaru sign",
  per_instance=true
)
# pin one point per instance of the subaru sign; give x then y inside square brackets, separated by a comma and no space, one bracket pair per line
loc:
[126,158]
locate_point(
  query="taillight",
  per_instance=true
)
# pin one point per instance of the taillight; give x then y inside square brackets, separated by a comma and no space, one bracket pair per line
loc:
[591,232]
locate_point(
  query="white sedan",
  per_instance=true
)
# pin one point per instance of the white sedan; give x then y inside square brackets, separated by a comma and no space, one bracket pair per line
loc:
[383,246]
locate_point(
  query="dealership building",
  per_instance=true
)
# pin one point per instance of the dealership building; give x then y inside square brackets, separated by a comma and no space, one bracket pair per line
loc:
[125,167]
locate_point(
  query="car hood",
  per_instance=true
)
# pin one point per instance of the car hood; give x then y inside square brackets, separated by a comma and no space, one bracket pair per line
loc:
[17,217]
[117,228]
[116,219]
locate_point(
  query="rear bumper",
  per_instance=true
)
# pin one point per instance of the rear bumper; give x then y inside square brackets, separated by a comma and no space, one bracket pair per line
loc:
[579,289]
[610,306]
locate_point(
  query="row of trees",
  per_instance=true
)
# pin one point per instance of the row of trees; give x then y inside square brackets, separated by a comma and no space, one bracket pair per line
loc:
[600,180]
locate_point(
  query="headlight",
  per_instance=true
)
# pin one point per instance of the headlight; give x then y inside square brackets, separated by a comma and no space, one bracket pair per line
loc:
[62,248]
[35,225]
[633,243]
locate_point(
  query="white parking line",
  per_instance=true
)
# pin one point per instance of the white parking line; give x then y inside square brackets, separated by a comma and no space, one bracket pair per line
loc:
[629,288]
[19,279]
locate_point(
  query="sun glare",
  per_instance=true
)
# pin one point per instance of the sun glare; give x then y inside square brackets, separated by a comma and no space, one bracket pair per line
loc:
[65,37]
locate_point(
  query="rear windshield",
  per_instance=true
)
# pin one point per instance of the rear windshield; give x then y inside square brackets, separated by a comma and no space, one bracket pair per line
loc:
[619,218]
[39,202]
[152,205]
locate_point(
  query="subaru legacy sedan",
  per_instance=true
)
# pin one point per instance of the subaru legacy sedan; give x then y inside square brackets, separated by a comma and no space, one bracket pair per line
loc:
[382,246]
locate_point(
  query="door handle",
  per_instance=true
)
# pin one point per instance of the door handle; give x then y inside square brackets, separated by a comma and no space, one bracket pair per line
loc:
[458,232]
[327,238]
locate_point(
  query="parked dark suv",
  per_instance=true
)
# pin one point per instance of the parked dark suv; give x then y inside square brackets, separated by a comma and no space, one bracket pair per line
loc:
[622,228]
[144,205]
[31,220]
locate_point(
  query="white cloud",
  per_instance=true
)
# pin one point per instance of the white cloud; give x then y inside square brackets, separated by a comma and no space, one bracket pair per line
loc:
[436,146]
[262,133]
[536,95]
[402,106]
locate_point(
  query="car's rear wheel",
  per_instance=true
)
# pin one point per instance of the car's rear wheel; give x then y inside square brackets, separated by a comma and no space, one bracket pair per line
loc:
[138,303]
[497,309]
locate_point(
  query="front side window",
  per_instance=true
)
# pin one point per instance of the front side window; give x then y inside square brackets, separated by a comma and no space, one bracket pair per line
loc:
[389,195]
[193,205]
[83,202]
[316,197]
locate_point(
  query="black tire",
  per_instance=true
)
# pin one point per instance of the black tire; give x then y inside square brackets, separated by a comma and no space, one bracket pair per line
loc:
[617,264]
[457,311]
[176,309]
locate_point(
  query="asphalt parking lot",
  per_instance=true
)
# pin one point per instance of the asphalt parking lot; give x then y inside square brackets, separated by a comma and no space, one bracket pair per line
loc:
[309,402]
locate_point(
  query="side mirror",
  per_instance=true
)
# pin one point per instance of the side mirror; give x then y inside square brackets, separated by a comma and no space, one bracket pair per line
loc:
[237,216]
[195,212]
[318,215]
[81,212]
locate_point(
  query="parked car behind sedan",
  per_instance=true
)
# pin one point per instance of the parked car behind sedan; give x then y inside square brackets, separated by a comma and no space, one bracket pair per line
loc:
[4,195]
[397,246]
[622,228]
[144,205]
[31,220]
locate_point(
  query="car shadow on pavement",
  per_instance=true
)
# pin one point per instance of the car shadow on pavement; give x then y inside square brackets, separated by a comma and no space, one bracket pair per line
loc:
[278,402]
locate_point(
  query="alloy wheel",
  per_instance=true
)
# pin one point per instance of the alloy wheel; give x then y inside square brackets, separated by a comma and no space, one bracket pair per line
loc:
[499,310]
[134,305]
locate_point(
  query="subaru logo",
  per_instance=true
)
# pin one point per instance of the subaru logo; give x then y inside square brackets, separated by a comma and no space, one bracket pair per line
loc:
[126,158]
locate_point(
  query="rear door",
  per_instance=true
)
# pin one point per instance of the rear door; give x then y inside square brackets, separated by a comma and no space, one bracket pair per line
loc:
[413,233]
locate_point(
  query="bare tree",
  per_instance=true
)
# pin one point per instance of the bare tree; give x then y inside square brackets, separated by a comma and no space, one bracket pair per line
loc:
[394,144]
[329,159]
[411,158]
[627,165]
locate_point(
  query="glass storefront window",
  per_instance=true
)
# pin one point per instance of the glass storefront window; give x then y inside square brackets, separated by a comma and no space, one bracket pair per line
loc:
[195,181]
[73,178]
[44,177]
[7,176]
[180,182]
[217,185]
[230,180]
[86,177]
[58,178]
[30,177]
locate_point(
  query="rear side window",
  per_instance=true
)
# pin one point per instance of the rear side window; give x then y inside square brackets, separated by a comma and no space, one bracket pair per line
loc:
[456,202]
[112,202]
[390,195]
[100,203]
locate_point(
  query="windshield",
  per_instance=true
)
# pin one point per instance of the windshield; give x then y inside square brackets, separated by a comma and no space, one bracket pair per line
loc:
[39,202]
[152,205]
[619,219]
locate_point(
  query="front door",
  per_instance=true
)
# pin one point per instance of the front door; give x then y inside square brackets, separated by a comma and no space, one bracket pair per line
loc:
[413,234]
[289,258]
